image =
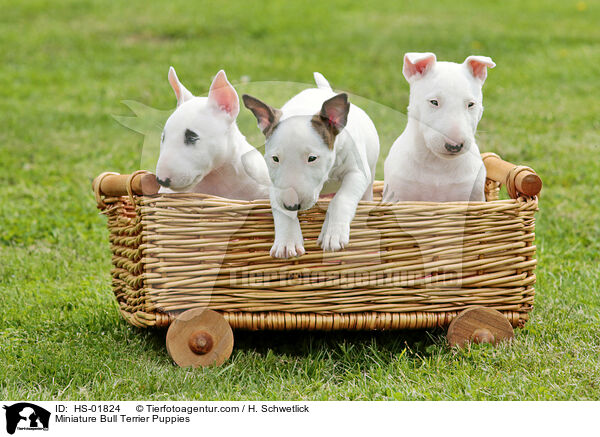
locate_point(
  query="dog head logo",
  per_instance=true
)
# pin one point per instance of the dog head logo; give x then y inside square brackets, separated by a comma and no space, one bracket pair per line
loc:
[26,416]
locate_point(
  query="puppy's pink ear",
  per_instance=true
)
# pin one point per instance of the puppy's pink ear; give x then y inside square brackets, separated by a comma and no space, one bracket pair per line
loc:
[181,92]
[332,118]
[223,95]
[334,112]
[266,115]
[417,65]
[478,65]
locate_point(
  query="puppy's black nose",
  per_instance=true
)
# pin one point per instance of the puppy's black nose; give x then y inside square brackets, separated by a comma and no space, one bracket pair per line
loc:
[454,148]
[295,207]
[164,183]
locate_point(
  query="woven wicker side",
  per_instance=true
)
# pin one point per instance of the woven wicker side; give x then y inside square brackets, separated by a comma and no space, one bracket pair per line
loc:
[413,259]
[125,229]
[409,265]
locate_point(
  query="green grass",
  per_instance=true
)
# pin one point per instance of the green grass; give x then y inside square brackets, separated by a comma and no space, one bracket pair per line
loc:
[65,68]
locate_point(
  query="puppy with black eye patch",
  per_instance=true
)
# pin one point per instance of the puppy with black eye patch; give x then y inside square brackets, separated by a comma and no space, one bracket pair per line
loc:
[317,143]
[202,149]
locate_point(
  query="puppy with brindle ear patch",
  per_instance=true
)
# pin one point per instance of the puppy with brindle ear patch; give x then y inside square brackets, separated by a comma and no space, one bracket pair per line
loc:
[316,143]
[436,158]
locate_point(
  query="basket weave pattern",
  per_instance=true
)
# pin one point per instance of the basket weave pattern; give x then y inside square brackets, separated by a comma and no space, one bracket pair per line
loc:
[408,265]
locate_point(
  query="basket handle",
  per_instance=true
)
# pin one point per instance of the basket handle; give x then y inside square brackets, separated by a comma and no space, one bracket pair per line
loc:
[116,185]
[517,179]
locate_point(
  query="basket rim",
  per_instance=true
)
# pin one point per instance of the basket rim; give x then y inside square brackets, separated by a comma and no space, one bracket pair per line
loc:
[520,181]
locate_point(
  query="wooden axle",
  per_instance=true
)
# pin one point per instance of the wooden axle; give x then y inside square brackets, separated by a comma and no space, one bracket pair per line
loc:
[482,335]
[200,342]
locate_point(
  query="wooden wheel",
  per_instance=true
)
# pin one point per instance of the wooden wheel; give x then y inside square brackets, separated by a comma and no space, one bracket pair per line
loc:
[479,325]
[199,337]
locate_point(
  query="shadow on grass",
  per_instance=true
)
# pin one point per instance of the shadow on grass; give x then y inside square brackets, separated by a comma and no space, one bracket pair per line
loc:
[301,345]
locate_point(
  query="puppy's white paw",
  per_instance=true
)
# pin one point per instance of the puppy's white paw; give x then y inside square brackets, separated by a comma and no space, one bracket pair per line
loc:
[335,237]
[287,249]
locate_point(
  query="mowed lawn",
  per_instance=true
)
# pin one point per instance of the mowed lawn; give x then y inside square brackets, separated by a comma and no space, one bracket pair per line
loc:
[67,65]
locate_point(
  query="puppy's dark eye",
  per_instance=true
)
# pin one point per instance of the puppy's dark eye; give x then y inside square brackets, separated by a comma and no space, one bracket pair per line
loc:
[434,102]
[162,137]
[312,158]
[471,104]
[275,158]
[190,137]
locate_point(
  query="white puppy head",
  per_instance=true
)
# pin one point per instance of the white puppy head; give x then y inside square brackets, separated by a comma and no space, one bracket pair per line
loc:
[446,100]
[299,150]
[195,138]
[26,413]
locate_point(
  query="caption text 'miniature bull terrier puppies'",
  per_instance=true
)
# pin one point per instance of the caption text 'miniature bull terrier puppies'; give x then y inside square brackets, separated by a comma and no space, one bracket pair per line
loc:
[202,149]
[317,143]
[436,158]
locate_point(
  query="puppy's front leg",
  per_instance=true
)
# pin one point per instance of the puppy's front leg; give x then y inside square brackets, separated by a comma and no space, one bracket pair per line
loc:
[335,233]
[288,235]
[478,191]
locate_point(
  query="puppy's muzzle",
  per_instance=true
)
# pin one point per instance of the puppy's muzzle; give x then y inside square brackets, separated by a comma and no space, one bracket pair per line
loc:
[294,207]
[454,148]
[165,183]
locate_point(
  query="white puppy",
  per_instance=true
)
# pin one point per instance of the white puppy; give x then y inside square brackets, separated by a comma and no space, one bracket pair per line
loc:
[202,149]
[317,143]
[436,158]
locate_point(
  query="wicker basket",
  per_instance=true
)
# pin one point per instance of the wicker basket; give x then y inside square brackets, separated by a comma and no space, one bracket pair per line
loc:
[409,265]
